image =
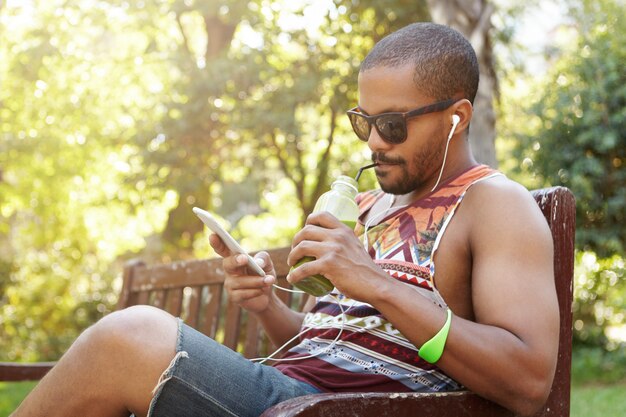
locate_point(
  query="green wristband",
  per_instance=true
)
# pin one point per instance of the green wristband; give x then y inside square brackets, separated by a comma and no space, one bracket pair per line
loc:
[432,350]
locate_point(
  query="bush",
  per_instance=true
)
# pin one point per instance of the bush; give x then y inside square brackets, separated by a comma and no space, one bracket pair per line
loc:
[597,365]
[599,301]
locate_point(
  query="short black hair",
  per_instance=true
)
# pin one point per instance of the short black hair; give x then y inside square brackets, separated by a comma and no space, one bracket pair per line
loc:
[445,62]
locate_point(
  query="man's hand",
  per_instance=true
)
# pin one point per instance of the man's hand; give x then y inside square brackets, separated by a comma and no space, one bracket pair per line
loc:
[339,256]
[249,290]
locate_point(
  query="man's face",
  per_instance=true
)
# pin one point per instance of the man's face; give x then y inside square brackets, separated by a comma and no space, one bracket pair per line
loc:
[412,165]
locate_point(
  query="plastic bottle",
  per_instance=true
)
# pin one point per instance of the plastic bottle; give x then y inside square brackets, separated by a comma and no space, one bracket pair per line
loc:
[338,201]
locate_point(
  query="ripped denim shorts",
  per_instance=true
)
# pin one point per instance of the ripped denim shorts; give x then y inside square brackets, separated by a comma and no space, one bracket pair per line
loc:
[206,378]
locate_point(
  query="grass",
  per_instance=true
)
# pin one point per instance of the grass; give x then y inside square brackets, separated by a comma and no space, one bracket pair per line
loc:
[12,394]
[598,400]
[589,400]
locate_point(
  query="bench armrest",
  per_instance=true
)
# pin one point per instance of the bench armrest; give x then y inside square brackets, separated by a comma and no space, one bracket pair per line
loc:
[446,404]
[10,371]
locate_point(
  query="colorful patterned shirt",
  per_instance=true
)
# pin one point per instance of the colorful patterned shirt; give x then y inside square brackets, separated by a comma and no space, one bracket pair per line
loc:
[349,346]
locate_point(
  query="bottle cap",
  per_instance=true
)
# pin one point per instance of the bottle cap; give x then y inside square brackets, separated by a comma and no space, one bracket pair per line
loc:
[349,181]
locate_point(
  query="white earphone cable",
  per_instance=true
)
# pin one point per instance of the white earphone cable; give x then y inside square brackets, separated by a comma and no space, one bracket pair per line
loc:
[455,121]
[319,352]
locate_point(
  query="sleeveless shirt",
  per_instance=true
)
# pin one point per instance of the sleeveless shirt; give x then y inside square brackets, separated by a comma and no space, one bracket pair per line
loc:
[349,346]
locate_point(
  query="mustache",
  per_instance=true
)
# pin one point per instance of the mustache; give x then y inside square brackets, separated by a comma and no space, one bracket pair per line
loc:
[378,157]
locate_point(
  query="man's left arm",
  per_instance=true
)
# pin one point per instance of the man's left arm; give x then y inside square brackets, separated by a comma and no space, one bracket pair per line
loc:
[507,352]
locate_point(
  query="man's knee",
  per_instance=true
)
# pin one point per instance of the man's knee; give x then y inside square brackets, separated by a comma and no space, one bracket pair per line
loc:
[134,328]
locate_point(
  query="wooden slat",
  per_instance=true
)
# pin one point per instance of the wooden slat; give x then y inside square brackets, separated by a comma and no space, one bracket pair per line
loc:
[11,371]
[174,304]
[194,307]
[159,299]
[191,273]
[177,274]
[212,311]
[232,326]
[253,335]
[127,298]
[141,298]
[279,258]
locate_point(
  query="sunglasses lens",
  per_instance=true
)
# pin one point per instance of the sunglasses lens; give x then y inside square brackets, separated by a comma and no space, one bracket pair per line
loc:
[361,126]
[392,128]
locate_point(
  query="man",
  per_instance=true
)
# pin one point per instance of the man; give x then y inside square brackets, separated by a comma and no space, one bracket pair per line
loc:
[486,318]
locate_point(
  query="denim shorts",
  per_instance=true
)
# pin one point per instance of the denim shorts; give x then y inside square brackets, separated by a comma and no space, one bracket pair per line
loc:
[206,378]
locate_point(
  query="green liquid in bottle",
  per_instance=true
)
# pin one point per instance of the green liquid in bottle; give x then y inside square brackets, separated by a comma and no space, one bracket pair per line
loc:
[341,204]
[317,285]
[350,223]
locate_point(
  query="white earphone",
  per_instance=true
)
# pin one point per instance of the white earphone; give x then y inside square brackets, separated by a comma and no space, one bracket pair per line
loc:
[455,121]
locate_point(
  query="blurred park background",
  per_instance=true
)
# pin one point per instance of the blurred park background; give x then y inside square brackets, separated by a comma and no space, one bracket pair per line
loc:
[117,117]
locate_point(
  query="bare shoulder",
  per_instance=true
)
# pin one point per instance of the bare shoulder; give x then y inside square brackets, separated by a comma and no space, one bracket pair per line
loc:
[498,191]
[512,252]
[499,204]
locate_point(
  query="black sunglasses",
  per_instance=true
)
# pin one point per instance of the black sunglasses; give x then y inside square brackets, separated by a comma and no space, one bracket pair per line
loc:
[390,126]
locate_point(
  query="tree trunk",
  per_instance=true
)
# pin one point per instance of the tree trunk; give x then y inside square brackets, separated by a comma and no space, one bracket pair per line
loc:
[473,19]
[179,231]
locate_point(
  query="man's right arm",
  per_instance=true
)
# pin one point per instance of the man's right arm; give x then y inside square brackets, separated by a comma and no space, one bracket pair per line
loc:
[254,293]
[280,322]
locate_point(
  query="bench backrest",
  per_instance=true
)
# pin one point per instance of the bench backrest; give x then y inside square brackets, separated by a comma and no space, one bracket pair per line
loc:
[194,291]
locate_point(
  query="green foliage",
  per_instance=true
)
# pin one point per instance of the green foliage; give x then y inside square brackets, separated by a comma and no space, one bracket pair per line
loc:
[68,107]
[575,130]
[117,117]
[598,366]
[599,300]
[567,128]
[265,98]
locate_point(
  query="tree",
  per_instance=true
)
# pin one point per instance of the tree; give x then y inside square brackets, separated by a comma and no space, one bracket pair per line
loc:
[575,136]
[276,109]
[473,19]
[569,131]
[75,84]
[116,118]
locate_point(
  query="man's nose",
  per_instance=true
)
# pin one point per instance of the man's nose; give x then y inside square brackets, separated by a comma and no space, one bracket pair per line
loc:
[376,143]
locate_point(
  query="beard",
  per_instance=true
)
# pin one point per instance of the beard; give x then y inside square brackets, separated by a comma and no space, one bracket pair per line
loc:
[414,173]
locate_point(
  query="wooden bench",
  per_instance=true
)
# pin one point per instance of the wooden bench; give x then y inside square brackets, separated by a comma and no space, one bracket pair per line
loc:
[194,291]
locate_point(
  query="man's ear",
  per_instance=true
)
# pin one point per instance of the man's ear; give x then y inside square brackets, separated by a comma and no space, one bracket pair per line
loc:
[463,110]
